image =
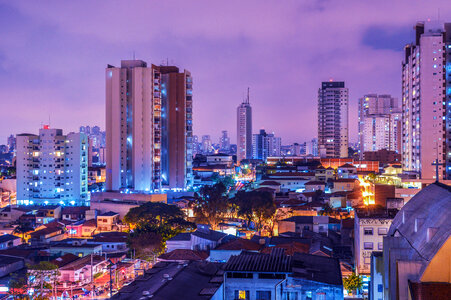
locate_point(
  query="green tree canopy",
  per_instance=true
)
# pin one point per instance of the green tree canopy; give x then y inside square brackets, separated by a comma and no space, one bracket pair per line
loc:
[255,206]
[155,213]
[211,204]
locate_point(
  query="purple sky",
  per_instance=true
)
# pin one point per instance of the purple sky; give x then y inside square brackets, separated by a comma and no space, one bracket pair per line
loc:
[53,55]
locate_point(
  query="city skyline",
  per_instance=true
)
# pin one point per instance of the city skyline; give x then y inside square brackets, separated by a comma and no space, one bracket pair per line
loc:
[46,73]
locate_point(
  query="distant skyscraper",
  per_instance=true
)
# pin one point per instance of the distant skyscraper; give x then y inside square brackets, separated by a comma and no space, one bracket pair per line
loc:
[52,168]
[11,143]
[264,145]
[148,126]
[224,141]
[333,119]
[244,130]
[206,144]
[379,123]
[426,95]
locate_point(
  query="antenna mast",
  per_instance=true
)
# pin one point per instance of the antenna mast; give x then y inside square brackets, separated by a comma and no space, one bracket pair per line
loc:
[247,99]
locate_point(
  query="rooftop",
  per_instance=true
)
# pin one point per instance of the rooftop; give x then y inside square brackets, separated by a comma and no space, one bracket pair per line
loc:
[8,237]
[184,254]
[317,268]
[276,261]
[240,244]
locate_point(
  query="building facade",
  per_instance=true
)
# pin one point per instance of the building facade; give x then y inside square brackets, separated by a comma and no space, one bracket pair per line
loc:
[149,127]
[379,123]
[426,95]
[52,168]
[244,130]
[265,145]
[224,141]
[333,131]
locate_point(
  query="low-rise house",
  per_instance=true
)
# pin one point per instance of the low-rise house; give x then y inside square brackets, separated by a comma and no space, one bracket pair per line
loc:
[223,252]
[270,184]
[312,223]
[183,255]
[47,214]
[8,241]
[80,269]
[10,214]
[347,171]
[74,213]
[265,276]
[10,264]
[324,174]
[46,235]
[195,280]
[108,221]
[345,184]
[111,241]
[201,239]
[77,247]
[315,185]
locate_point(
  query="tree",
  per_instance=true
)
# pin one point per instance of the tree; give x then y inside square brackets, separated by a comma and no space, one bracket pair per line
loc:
[155,213]
[326,210]
[255,206]
[353,282]
[152,225]
[22,228]
[211,204]
[43,277]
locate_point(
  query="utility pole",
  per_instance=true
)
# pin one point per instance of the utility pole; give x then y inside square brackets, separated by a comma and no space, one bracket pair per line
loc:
[92,280]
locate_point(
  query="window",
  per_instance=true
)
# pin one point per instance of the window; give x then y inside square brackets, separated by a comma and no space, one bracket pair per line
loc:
[368,245]
[241,295]
[382,231]
[321,296]
[263,295]
[368,231]
[380,246]
[290,296]
[380,288]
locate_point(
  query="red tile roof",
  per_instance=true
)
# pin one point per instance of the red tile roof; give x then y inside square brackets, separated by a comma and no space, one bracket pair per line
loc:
[240,244]
[184,254]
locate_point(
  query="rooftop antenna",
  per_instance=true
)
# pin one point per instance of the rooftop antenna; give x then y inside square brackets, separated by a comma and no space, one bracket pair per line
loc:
[247,99]
[134,55]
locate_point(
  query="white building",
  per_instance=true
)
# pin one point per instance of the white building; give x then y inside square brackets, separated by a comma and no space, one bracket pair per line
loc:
[52,168]
[148,127]
[379,123]
[369,232]
[333,131]
[426,95]
[244,130]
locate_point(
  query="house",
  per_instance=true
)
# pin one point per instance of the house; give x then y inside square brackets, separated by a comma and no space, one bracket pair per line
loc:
[223,252]
[80,269]
[111,241]
[74,213]
[8,241]
[345,184]
[46,235]
[108,221]
[10,214]
[315,185]
[347,171]
[270,184]
[323,174]
[64,260]
[265,276]
[183,255]
[194,280]
[312,223]
[417,247]
[10,264]
[201,239]
[370,227]
[77,247]
[47,214]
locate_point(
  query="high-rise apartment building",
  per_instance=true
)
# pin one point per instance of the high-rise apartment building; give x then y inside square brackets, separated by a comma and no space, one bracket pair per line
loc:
[426,99]
[148,126]
[244,130]
[379,123]
[52,168]
[333,119]
[265,144]
[224,141]
[207,146]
